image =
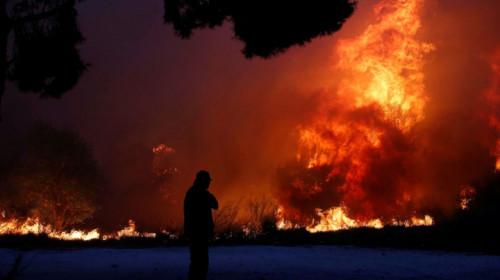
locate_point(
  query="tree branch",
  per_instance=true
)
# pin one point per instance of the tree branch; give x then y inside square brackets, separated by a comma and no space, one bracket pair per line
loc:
[42,15]
[14,270]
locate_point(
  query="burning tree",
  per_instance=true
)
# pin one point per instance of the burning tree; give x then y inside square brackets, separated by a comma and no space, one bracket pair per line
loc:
[57,176]
[360,150]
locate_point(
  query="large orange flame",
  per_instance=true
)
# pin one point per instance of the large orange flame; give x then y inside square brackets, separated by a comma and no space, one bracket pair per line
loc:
[384,68]
[367,123]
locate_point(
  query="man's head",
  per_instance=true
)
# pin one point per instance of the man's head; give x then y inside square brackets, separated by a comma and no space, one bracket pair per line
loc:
[202,179]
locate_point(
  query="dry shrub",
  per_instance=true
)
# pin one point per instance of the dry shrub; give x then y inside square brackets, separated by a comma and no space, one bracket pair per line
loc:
[250,216]
[225,219]
[262,214]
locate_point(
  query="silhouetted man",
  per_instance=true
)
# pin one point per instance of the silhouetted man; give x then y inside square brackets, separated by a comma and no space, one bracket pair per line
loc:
[198,223]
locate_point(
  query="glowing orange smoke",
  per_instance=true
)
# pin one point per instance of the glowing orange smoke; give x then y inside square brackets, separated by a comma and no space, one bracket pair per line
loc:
[493,97]
[365,127]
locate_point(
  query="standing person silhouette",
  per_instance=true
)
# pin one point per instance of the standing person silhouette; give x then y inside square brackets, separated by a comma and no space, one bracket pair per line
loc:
[199,224]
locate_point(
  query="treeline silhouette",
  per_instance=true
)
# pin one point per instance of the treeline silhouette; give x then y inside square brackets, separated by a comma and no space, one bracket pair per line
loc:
[267,28]
[43,57]
[53,177]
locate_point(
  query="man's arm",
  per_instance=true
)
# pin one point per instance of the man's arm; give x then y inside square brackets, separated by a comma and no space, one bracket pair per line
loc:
[212,201]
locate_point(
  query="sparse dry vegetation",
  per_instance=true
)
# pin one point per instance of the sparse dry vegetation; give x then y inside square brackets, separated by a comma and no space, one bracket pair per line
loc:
[249,216]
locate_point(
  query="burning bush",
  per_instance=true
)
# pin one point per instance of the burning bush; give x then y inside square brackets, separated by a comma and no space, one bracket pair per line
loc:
[55,180]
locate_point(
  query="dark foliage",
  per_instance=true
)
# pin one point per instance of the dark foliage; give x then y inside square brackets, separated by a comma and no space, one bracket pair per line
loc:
[478,224]
[485,206]
[55,179]
[44,58]
[267,28]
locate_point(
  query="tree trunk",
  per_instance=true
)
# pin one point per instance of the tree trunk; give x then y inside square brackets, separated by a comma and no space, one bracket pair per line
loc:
[4,33]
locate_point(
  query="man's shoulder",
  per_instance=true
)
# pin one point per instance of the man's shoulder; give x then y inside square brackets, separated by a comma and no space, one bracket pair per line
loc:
[194,191]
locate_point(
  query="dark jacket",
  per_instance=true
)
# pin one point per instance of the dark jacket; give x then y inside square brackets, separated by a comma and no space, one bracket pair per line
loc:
[198,205]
